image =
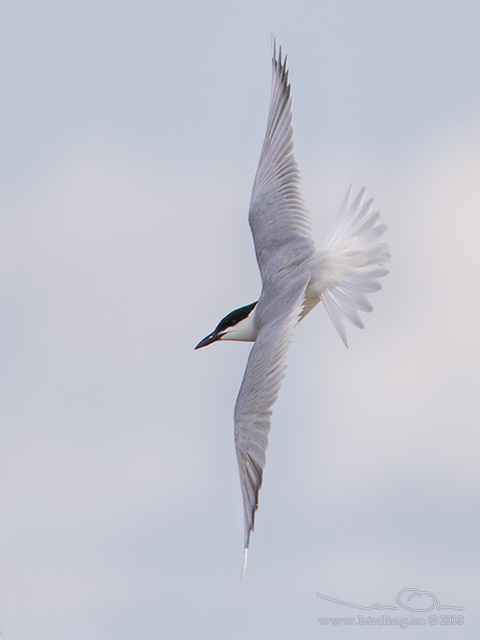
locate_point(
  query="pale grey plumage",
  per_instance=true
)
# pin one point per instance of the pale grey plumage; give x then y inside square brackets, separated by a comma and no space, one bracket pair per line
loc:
[261,384]
[295,278]
[278,219]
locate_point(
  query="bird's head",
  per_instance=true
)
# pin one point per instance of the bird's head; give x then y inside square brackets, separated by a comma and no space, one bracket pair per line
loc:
[238,325]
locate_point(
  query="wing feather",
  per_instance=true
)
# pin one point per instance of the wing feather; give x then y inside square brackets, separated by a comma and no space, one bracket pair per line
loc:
[258,392]
[278,219]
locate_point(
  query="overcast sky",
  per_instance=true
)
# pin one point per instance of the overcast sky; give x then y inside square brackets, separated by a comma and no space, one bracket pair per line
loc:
[129,141]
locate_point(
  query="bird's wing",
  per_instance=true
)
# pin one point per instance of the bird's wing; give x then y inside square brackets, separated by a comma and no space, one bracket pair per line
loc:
[259,391]
[278,219]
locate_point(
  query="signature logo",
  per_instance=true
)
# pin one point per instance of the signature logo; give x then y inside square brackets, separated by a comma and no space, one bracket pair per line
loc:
[411,599]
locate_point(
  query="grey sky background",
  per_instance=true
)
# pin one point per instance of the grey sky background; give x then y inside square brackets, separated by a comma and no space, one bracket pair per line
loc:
[129,141]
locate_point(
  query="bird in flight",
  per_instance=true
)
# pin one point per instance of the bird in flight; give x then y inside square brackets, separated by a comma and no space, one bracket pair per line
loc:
[295,278]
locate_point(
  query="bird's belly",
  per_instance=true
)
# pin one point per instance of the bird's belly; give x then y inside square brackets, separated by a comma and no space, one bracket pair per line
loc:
[322,277]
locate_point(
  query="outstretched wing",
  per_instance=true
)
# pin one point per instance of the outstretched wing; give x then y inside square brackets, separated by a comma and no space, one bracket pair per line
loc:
[259,391]
[278,219]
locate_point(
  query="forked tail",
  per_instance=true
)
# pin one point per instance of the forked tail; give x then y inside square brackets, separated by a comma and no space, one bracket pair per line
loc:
[351,262]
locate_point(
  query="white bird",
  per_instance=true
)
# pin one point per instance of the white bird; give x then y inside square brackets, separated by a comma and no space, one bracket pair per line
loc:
[295,278]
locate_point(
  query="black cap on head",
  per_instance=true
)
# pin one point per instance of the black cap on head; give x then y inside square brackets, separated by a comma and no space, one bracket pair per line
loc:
[231,320]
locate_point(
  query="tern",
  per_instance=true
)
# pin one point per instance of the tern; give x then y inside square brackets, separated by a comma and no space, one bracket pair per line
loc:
[295,278]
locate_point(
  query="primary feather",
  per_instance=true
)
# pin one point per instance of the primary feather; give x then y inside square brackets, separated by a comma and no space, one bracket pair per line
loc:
[259,390]
[277,216]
